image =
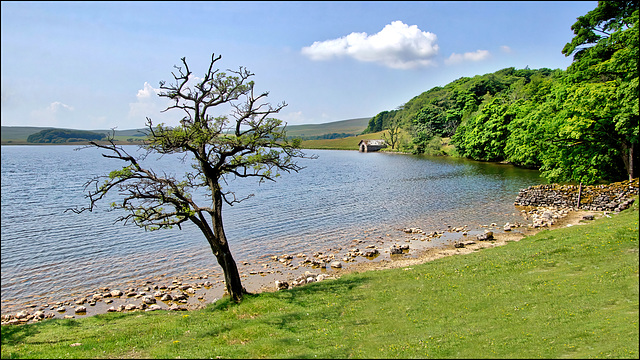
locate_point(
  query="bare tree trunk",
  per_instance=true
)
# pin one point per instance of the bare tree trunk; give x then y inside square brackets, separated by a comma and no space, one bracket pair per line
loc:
[632,163]
[223,255]
[628,154]
[231,274]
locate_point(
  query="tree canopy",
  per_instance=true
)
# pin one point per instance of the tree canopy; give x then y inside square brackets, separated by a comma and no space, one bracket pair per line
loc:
[248,143]
[576,125]
[59,136]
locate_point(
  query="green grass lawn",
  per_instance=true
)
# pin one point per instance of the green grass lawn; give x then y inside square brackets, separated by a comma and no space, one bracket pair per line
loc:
[564,293]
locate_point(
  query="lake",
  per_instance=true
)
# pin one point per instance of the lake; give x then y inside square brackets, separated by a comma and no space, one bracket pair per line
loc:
[47,252]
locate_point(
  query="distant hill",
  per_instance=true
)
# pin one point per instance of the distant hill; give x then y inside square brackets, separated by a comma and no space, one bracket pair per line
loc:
[351,127]
[19,134]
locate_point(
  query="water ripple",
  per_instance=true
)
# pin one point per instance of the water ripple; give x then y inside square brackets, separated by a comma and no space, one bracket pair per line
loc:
[332,201]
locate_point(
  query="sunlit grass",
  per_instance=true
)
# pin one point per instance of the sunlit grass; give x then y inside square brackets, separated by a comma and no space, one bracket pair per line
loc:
[569,292]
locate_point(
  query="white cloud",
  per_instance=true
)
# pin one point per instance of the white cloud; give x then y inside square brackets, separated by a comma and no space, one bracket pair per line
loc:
[477,55]
[148,104]
[505,49]
[397,45]
[49,116]
[291,118]
[56,106]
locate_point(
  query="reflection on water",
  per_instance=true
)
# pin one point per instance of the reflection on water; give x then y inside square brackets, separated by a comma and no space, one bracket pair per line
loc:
[335,199]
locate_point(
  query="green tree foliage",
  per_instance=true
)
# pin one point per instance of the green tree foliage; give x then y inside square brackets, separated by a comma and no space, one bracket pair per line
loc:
[484,136]
[579,125]
[58,136]
[602,101]
[380,122]
[485,133]
[249,144]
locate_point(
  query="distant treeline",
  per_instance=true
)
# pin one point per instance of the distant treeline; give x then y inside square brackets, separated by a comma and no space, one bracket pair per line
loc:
[58,136]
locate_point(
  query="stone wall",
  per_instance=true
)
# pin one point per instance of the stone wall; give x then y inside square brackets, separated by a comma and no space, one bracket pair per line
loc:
[610,197]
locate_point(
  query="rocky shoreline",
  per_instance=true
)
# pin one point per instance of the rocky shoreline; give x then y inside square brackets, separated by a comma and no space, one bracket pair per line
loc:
[610,197]
[409,246]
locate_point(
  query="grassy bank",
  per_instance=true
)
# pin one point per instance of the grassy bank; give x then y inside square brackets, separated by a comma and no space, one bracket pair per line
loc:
[351,142]
[570,292]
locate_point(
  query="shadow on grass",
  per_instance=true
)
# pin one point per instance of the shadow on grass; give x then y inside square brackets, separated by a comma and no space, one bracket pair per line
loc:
[15,334]
[298,297]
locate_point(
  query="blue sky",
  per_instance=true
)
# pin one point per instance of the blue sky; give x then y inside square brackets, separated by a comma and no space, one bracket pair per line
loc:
[97,65]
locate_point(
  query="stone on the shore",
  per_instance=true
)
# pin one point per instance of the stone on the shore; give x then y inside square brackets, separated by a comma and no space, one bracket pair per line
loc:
[336,264]
[281,285]
[394,249]
[21,315]
[116,293]
[486,236]
[80,309]
[413,231]
[148,300]
[38,314]
[180,297]
[129,307]
[166,297]
[370,252]
[153,307]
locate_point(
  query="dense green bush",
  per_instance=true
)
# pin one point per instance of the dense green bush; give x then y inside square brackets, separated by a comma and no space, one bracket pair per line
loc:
[576,125]
[58,136]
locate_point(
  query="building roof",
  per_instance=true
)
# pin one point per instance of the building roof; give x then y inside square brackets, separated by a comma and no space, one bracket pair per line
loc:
[373,142]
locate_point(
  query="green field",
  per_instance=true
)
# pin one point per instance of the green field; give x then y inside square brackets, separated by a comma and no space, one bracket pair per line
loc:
[565,293]
[347,143]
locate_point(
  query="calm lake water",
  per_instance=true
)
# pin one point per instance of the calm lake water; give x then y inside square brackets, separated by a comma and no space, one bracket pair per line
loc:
[335,199]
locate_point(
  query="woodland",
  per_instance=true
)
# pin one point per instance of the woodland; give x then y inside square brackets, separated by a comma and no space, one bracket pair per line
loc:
[574,125]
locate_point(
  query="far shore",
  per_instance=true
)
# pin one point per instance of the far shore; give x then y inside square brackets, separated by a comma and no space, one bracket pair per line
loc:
[262,276]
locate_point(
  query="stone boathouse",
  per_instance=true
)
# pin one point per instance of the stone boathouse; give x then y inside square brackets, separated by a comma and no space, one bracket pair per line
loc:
[371,145]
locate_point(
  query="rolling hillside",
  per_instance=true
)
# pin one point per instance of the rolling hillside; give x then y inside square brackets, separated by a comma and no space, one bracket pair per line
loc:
[352,126]
[19,134]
